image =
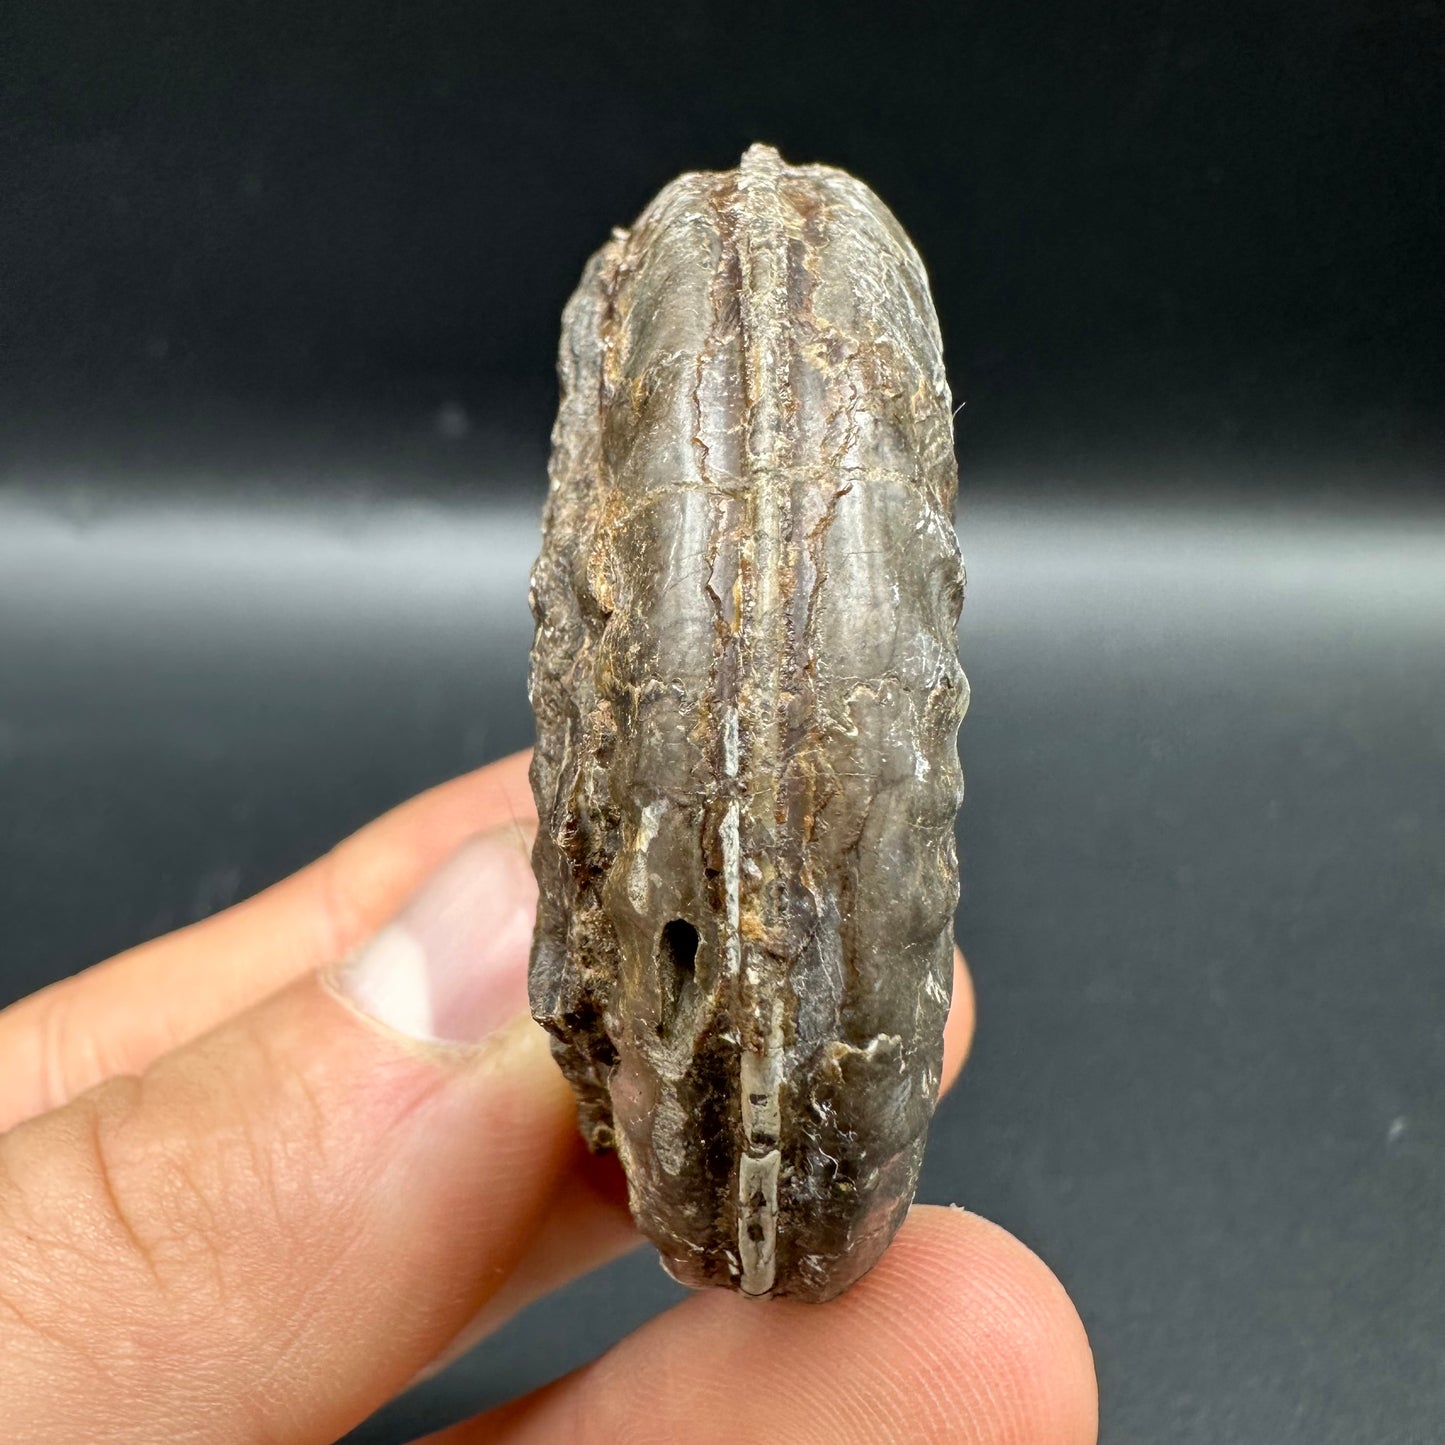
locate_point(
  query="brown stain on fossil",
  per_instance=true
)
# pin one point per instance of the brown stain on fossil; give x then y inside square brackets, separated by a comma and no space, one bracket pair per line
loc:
[747,695]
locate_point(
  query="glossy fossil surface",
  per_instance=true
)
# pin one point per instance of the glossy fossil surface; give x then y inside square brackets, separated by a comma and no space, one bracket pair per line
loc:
[747,693]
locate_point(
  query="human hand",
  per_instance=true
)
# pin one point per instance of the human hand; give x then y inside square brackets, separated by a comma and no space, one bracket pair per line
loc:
[245,1195]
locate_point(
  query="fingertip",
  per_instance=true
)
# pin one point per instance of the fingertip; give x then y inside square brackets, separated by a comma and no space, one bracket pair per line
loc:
[958,1031]
[983,1296]
[959,1336]
[368,875]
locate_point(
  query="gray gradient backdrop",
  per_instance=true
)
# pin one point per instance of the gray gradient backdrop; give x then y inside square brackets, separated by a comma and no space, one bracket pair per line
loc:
[1202,859]
[279,297]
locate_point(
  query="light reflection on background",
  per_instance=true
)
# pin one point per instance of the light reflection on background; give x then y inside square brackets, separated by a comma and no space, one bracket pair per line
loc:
[1038,561]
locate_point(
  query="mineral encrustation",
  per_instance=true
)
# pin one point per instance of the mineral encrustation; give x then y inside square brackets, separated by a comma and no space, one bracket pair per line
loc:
[747,693]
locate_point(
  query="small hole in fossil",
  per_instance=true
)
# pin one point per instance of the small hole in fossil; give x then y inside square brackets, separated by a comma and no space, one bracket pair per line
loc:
[678,948]
[677,967]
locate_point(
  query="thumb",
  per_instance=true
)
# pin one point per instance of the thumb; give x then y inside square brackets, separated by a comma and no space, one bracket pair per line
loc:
[273,1229]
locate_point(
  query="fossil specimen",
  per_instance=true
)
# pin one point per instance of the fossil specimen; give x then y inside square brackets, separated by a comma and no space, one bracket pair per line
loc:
[747,693]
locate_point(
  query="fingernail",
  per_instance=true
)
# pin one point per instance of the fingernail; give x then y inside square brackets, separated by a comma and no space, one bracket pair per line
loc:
[452,965]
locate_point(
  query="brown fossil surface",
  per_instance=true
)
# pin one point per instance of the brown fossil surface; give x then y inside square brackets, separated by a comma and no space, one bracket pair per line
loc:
[747,693]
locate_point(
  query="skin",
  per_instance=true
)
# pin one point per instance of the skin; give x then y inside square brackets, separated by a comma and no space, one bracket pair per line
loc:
[233,1209]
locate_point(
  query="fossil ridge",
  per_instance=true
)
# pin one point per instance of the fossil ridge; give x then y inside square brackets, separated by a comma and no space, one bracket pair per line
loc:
[747,694]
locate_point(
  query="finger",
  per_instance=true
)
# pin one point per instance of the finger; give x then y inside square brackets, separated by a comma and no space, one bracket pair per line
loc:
[958,1030]
[585,1224]
[588,1222]
[276,1227]
[958,1335]
[121,1015]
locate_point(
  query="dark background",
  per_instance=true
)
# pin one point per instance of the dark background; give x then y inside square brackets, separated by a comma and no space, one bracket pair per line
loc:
[1184,234]
[279,289]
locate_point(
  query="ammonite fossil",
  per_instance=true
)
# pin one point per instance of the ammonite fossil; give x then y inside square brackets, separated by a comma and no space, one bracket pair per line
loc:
[747,694]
